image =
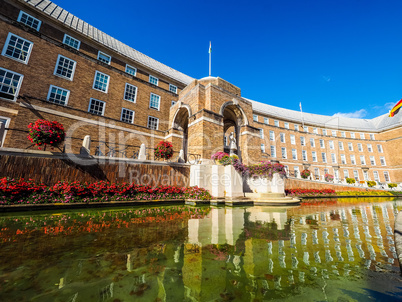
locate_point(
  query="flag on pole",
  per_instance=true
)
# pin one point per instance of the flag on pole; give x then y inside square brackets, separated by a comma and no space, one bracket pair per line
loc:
[395,109]
[300,106]
[210,47]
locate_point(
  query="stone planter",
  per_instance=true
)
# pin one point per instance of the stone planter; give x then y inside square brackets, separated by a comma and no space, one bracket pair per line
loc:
[259,184]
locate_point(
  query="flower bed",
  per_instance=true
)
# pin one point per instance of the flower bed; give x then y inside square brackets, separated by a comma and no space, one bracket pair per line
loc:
[27,192]
[310,192]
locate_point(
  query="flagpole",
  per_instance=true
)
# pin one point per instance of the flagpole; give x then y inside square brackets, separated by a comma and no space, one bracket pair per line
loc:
[210,51]
[301,114]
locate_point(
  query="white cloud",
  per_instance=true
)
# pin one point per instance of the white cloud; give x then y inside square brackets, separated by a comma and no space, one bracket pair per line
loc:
[326,78]
[357,114]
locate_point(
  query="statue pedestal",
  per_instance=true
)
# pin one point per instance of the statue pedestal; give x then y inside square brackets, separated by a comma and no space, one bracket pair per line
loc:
[275,184]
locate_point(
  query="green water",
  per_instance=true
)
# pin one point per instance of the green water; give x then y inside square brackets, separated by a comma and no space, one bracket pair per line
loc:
[319,251]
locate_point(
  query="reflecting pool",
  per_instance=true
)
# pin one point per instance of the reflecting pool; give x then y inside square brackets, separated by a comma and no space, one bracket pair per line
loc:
[320,251]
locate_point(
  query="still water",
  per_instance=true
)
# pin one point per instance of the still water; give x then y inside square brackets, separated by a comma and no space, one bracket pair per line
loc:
[320,251]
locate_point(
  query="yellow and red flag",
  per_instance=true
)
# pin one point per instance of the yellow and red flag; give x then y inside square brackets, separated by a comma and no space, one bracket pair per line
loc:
[395,109]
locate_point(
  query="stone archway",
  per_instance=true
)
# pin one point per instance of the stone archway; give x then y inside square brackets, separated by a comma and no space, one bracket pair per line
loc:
[180,122]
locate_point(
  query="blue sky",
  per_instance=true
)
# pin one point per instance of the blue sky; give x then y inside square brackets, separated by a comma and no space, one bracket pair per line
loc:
[336,57]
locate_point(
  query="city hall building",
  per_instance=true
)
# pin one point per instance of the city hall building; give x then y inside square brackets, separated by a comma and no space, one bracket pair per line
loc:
[56,66]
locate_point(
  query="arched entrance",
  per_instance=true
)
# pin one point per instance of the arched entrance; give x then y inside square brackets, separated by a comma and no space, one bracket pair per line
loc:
[180,122]
[233,119]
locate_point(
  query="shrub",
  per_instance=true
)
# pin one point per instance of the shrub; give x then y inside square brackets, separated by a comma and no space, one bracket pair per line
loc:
[328,177]
[305,174]
[350,180]
[371,183]
[392,185]
[164,150]
[43,133]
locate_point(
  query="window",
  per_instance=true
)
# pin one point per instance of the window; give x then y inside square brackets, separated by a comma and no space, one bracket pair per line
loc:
[287,125]
[376,178]
[255,118]
[153,80]
[356,174]
[271,135]
[17,48]
[343,134]
[173,103]
[326,171]
[386,176]
[302,141]
[263,148]
[296,127]
[273,151]
[294,154]
[346,173]
[372,136]
[379,147]
[127,115]
[130,93]
[10,84]
[350,146]
[343,159]
[322,143]
[304,155]
[340,145]
[154,102]
[28,20]
[333,158]
[362,136]
[352,160]
[284,152]
[315,130]
[333,132]
[312,142]
[96,107]
[305,129]
[316,173]
[282,136]
[172,88]
[104,57]
[360,147]
[266,120]
[324,157]
[296,171]
[276,123]
[352,134]
[261,133]
[225,141]
[101,82]
[65,68]
[153,123]
[131,70]
[324,131]
[58,95]
[70,41]
[292,139]
[314,156]
[331,145]
[382,161]
[362,160]
[369,148]
[372,160]
[365,175]
[4,123]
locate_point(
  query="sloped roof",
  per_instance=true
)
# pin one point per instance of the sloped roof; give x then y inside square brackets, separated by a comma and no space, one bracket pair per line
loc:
[379,123]
[75,23]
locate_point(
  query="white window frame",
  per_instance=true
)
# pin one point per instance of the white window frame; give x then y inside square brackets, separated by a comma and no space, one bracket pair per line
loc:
[136,93]
[273,151]
[362,136]
[352,135]
[372,137]
[49,93]
[263,148]
[121,115]
[284,153]
[151,77]
[282,137]
[294,154]
[356,175]
[255,118]
[352,159]
[333,132]
[6,125]
[173,103]
[261,133]
[159,103]
[286,125]
[350,146]
[293,139]
[380,149]
[340,145]
[157,123]
[315,130]
[333,158]
[376,176]
[131,67]
[302,140]
[20,17]
[322,144]
[362,160]
[103,108]
[276,123]
[372,160]
[331,145]
[296,127]
[346,173]
[72,38]
[304,155]
[305,129]
[17,89]
[360,147]
[343,134]
[343,159]
[108,82]
[271,135]
[296,171]
[386,175]
[370,148]
[314,156]
[4,52]
[266,121]
[324,131]
[106,55]
[382,161]
[324,157]
[173,87]
[62,76]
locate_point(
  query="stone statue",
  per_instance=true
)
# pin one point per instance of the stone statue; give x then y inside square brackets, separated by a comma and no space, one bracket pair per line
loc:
[232,143]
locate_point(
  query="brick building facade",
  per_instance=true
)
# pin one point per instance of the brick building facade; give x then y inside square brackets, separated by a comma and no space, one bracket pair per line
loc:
[57,67]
